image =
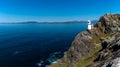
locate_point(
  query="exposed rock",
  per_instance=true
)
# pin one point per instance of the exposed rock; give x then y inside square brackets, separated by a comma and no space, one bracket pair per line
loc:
[116,62]
[113,63]
[99,47]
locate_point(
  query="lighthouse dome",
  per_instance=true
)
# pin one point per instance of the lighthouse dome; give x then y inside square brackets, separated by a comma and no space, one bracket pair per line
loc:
[89,22]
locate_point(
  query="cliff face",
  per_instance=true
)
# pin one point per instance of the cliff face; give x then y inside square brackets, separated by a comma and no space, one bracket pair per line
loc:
[99,47]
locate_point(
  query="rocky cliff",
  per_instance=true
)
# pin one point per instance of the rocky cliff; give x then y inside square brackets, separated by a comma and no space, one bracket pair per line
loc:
[99,47]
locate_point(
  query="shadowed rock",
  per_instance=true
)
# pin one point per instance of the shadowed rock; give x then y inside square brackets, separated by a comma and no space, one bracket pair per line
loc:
[99,47]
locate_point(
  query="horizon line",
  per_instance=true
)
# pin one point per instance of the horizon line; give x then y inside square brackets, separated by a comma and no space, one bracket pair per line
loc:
[44,21]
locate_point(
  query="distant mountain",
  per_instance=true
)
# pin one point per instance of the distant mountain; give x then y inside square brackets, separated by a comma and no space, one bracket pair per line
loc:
[35,22]
[29,22]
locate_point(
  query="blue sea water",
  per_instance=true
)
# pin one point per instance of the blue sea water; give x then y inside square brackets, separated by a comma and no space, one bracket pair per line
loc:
[35,45]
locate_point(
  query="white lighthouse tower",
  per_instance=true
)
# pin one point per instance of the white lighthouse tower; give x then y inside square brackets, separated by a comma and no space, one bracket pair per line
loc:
[89,25]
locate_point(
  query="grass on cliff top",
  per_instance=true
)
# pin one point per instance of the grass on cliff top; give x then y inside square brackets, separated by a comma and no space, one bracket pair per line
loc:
[88,58]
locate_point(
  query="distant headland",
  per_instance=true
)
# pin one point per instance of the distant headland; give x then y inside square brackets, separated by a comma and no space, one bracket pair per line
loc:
[36,22]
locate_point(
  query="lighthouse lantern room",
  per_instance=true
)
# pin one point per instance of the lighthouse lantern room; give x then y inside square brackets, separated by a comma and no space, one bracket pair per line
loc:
[89,25]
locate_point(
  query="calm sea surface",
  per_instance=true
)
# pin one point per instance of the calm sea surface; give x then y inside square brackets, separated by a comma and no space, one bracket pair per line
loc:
[35,45]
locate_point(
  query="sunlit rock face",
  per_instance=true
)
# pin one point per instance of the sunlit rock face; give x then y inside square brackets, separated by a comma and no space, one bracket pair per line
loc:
[113,63]
[98,47]
[116,62]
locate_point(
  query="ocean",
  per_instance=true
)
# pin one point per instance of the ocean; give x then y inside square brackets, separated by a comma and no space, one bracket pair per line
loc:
[35,45]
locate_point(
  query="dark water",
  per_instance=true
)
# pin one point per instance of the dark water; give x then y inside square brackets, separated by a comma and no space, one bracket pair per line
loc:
[30,45]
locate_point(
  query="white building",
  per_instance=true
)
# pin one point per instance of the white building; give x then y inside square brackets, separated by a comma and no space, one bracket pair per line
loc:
[89,25]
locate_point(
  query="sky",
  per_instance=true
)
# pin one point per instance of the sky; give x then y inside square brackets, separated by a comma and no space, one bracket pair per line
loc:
[55,10]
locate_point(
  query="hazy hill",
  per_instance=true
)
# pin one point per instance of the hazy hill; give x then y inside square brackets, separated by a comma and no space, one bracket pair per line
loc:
[35,22]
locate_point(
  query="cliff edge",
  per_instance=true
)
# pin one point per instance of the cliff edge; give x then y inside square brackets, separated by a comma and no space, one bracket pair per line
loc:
[99,47]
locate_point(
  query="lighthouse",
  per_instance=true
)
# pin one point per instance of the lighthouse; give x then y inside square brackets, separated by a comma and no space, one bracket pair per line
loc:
[89,25]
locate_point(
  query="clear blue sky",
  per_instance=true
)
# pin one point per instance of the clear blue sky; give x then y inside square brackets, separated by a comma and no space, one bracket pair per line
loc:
[55,10]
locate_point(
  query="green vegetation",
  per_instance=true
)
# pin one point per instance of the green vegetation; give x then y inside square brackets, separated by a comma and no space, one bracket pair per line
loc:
[118,35]
[105,35]
[88,58]
[96,39]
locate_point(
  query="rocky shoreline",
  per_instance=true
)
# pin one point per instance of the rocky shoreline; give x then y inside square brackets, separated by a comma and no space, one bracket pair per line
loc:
[99,47]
